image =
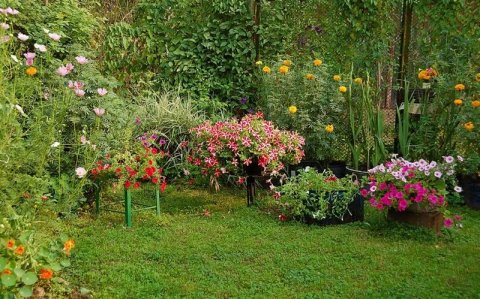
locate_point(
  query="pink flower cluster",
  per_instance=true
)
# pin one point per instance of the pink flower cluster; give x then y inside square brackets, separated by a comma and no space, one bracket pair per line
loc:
[223,146]
[400,183]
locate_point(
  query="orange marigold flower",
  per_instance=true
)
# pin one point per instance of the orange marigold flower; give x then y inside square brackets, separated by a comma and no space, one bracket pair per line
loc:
[266,70]
[20,250]
[10,244]
[458,102]
[342,89]
[423,75]
[310,77]
[469,126]
[329,128]
[476,104]
[337,78]
[287,62]
[283,69]
[7,272]
[68,246]
[459,87]
[317,62]
[31,71]
[45,273]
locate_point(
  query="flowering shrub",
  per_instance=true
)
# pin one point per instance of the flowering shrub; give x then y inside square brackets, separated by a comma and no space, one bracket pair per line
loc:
[28,265]
[225,147]
[314,195]
[417,186]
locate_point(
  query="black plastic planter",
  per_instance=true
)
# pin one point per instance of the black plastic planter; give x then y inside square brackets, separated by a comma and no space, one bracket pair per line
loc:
[317,165]
[471,190]
[339,168]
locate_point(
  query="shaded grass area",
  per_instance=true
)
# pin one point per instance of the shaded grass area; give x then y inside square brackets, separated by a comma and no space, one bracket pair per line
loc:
[245,252]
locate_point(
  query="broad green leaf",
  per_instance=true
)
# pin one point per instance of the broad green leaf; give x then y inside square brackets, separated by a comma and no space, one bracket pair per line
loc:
[3,263]
[26,291]
[9,280]
[19,272]
[29,278]
[65,263]
[55,266]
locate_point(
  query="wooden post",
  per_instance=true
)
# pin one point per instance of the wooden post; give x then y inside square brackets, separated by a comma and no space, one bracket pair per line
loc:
[97,200]
[128,208]
[250,190]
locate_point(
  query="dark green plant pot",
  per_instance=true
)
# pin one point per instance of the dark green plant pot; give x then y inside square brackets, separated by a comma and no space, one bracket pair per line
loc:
[471,190]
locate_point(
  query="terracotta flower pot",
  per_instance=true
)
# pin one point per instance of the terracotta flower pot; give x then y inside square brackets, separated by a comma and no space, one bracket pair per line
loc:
[418,217]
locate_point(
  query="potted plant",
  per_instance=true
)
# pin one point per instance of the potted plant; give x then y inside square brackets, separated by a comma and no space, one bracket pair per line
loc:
[320,198]
[412,192]
[251,146]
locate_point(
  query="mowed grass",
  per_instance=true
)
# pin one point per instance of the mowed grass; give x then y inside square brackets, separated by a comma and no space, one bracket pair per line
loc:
[241,252]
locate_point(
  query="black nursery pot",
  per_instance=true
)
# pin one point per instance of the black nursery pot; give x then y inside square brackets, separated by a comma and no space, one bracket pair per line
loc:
[357,213]
[471,190]
[317,165]
[339,168]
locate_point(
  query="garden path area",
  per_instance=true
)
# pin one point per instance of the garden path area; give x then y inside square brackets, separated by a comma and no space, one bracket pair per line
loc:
[245,252]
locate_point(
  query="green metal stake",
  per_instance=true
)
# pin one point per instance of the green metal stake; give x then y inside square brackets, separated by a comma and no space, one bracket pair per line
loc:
[157,197]
[128,208]
[97,200]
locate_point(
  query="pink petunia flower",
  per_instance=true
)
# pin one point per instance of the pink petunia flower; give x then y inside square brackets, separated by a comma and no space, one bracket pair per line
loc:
[449,159]
[62,71]
[56,37]
[102,91]
[438,174]
[29,56]
[458,189]
[81,60]
[402,205]
[79,92]
[99,111]
[457,217]
[22,37]
[448,222]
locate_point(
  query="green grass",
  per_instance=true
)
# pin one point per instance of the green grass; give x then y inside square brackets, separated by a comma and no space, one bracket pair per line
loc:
[242,252]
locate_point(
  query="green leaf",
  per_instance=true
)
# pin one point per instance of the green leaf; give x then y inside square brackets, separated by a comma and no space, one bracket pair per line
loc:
[26,291]
[29,278]
[3,263]
[65,263]
[55,266]
[9,280]
[19,272]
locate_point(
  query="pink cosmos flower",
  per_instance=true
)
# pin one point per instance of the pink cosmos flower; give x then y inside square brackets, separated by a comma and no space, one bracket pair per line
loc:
[102,91]
[40,48]
[448,222]
[81,172]
[4,26]
[22,37]
[29,56]
[69,67]
[62,71]
[99,111]
[81,60]
[79,92]
[56,37]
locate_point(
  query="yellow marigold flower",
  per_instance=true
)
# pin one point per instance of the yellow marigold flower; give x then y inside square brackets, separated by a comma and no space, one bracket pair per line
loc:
[292,109]
[342,89]
[358,81]
[477,77]
[259,62]
[329,128]
[458,102]
[310,77]
[317,62]
[266,70]
[287,62]
[31,71]
[476,104]
[68,246]
[459,87]
[283,69]
[337,78]
[469,126]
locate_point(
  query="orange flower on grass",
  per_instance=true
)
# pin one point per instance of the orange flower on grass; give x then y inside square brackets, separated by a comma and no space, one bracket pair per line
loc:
[283,69]
[317,62]
[459,87]
[458,102]
[342,89]
[329,128]
[7,272]
[45,273]
[337,78]
[310,77]
[266,70]
[476,104]
[68,246]
[287,62]
[469,126]
[31,71]
[10,244]
[20,250]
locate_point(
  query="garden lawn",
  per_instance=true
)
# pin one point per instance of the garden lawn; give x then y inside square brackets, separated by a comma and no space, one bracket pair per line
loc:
[245,252]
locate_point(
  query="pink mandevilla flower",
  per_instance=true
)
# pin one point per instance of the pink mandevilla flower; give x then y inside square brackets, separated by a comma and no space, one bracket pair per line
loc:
[99,111]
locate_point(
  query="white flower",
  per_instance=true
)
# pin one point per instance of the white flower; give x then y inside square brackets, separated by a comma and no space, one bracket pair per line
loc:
[84,140]
[81,172]
[14,58]
[55,144]
[55,36]
[460,158]
[373,188]
[4,26]
[458,189]
[22,37]
[46,31]
[41,48]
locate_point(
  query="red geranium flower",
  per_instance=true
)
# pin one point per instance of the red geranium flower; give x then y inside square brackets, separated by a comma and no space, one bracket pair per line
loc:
[136,185]
[163,186]
[127,184]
